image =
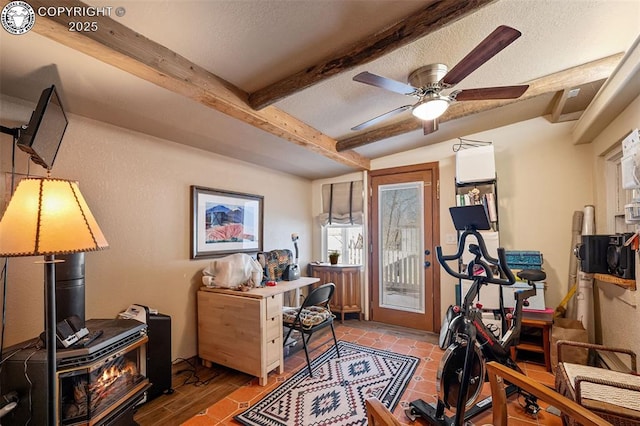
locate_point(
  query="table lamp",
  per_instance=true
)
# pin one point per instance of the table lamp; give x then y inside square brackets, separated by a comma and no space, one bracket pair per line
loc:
[46,217]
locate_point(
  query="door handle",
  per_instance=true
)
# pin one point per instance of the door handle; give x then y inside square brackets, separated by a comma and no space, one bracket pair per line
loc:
[427,263]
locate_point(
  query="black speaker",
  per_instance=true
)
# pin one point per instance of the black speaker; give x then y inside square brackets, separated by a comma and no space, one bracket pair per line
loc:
[621,258]
[592,254]
[159,355]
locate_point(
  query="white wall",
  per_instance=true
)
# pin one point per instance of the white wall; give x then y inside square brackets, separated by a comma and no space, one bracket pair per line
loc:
[542,179]
[138,188]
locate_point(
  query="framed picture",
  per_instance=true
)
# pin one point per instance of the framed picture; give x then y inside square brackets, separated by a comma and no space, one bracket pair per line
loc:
[224,222]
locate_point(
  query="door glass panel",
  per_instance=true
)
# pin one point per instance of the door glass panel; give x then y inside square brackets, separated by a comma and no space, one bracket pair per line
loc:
[401,234]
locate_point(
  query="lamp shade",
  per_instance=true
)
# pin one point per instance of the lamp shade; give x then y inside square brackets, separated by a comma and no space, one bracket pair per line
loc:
[48,216]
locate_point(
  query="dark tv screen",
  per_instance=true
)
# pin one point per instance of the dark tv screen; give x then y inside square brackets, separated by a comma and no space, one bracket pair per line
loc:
[47,125]
[470,217]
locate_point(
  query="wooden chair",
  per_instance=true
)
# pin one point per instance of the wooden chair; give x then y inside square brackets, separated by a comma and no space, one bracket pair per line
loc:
[313,315]
[379,415]
[497,372]
[613,395]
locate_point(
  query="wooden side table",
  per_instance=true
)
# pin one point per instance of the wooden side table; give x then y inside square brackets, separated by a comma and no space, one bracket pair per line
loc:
[543,321]
[346,298]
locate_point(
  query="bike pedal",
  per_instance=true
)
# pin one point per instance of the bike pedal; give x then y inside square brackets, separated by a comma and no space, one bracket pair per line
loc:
[532,408]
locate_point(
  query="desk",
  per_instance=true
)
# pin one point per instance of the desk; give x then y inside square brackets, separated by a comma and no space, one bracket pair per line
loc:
[243,330]
[543,321]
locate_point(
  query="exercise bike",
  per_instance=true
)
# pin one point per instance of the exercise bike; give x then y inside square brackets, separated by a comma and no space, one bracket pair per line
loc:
[468,341]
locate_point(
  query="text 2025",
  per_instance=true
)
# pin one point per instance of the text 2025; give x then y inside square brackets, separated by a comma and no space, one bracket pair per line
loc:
[83,26]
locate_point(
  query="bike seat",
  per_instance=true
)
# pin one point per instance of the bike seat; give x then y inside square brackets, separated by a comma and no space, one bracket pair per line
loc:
[532,275]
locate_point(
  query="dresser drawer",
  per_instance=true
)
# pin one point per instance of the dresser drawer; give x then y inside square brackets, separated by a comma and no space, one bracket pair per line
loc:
[274,306]
[274,347]
[273,328]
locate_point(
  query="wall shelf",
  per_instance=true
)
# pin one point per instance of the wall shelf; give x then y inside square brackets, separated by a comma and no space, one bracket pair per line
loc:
[612,279]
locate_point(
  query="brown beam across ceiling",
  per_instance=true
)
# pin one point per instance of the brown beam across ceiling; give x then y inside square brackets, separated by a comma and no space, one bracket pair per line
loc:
[571,77]
[129,51]
[417,25]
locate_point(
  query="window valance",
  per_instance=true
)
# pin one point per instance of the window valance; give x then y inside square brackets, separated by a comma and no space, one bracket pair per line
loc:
[342,203]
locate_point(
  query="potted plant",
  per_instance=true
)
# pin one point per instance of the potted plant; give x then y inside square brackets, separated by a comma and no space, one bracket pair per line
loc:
[333,257]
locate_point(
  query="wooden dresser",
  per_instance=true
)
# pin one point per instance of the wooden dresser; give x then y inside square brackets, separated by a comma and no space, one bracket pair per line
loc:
[347,278]
[243,330]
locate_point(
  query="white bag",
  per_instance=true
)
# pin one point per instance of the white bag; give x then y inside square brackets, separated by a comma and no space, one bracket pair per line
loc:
[233,271]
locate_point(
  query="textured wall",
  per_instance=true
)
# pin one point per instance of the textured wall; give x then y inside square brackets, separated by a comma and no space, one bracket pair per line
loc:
[138,189]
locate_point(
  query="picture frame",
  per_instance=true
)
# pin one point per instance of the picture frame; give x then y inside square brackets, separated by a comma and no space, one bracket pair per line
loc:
[225,222]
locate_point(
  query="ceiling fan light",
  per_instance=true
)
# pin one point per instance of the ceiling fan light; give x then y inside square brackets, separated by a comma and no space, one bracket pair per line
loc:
[431,108]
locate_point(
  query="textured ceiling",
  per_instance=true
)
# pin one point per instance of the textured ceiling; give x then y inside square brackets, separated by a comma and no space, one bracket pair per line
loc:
[254,43]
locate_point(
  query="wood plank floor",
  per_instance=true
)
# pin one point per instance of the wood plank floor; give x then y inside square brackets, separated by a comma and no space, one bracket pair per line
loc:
[195,389]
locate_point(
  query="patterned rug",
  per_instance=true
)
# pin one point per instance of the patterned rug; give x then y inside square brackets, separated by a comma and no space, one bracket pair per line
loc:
[336,393]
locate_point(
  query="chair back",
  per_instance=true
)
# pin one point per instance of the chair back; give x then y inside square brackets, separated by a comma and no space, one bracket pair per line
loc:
[320,296]
[378,414]
[499,373]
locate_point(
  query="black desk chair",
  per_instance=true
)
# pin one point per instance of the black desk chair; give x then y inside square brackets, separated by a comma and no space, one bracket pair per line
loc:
[313,315]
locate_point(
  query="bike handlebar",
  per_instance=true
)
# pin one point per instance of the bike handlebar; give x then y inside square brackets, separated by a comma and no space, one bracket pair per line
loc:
[500,262]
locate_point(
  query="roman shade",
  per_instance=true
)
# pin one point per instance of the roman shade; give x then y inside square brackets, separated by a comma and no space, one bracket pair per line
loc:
[342,203]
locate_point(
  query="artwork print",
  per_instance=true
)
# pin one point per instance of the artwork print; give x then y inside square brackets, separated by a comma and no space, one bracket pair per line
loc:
[225,222]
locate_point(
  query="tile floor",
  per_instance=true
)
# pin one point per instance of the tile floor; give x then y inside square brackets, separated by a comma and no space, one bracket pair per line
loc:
[422,385]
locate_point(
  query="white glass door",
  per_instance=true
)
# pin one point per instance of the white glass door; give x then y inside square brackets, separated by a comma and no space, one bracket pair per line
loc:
[403,226]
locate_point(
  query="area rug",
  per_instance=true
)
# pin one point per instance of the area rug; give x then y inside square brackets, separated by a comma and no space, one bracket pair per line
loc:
[336,393]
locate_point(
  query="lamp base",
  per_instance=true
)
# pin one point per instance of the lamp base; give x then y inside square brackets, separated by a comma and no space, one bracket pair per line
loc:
[50,336]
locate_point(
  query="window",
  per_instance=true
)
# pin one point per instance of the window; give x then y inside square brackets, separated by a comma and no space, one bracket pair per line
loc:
[617,196]
[342,221]
[346,240]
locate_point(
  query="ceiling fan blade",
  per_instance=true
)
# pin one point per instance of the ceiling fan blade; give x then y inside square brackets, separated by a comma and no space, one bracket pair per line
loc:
[500,38]
[429,126]
[381,117]
[385,83]
[503,92]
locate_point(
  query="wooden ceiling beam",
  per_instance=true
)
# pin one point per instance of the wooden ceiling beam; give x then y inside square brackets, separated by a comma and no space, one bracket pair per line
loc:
[581,74]
[123,48]
[434,16]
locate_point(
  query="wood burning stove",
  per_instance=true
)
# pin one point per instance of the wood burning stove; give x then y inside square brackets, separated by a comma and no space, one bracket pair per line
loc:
[97,385]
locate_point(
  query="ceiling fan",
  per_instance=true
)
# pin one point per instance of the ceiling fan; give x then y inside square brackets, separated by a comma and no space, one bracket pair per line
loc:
[427,83]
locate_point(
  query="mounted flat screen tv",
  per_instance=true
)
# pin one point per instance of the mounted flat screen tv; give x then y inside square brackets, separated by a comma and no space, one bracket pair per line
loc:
[47,125]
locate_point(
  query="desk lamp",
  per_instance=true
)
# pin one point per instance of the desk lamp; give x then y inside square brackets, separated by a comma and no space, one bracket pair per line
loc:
[46,217]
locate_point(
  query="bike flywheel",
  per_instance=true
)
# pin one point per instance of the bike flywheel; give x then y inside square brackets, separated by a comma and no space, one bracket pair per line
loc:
[449,376]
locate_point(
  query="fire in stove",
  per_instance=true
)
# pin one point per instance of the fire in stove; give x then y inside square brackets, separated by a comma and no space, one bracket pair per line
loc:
[116,378]
[90,392]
